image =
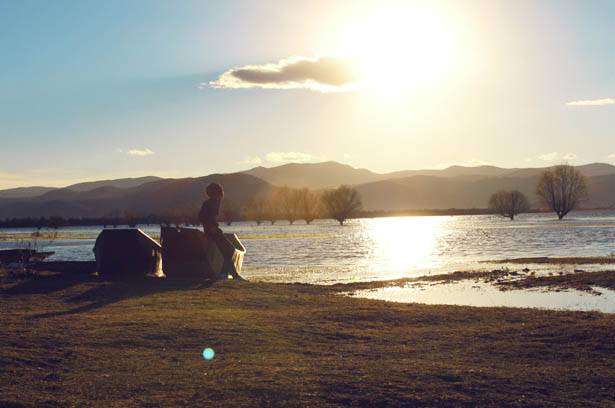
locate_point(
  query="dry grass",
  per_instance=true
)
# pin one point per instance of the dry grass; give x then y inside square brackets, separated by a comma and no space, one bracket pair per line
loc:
[584,281]
[572,260]
[70,341]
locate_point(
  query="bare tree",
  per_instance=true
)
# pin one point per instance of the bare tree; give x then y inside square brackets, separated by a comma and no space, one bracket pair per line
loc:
[309,205]
[562,188]
[257,209]
[341,203]
[509,203]
[288,202]
[229,212]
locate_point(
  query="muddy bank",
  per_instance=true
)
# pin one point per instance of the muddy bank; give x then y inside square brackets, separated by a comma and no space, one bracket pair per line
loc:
[584,281]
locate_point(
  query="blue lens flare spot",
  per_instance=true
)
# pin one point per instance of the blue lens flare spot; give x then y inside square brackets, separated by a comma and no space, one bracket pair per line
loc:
[208,354]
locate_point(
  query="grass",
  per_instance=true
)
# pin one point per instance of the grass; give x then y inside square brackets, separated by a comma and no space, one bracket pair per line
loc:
[69,340]
[585,281]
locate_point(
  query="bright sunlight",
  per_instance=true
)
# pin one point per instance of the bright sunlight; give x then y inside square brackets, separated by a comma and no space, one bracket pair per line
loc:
[399,47]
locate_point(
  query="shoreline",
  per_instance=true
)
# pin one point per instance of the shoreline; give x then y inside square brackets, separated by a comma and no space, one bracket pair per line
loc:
[94,221]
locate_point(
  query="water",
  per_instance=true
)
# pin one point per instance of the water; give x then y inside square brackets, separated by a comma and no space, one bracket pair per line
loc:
[470,293]
[379,248]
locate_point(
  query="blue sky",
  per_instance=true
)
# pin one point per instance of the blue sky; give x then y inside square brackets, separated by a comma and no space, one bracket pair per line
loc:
[92,90]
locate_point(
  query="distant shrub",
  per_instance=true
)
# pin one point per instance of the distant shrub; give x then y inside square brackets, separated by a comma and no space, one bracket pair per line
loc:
[509,203]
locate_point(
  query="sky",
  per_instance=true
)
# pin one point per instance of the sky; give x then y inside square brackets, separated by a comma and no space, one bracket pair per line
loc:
[96,90]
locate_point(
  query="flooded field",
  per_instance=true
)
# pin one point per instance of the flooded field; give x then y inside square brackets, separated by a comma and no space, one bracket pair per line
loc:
[375,249]
[389,248]
[470,293]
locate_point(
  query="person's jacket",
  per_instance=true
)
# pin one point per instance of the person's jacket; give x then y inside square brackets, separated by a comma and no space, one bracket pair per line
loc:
[209,214]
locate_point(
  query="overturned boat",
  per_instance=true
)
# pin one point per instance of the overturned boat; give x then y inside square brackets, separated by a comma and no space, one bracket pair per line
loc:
[127,253]
[188,253]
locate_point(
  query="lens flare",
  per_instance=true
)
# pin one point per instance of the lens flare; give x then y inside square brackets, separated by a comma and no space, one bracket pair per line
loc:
[208,354]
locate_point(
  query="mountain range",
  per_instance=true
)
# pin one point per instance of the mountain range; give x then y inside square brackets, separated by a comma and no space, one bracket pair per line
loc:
[25,192]
[453,187]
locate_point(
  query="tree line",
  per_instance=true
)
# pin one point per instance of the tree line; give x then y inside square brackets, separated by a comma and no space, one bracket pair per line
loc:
[281,203]
[292,204]
[561,189]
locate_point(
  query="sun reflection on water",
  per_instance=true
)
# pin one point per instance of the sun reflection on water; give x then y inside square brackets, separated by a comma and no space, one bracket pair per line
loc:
[405,243]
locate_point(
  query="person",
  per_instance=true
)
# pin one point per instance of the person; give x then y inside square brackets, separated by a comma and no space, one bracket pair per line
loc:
[208,215]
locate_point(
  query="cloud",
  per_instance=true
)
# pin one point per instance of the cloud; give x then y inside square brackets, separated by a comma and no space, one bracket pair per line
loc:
[319,74]
[593,102]
[555,156]
[466,163]
[611,156]
[476,162]
[252,160]
[288,157]
[139,152]
[548,156]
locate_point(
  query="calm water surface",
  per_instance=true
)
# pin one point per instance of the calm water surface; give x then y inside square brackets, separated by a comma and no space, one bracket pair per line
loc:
[379,248]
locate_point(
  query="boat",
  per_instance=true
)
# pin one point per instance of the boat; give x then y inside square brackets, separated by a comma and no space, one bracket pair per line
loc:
[188,253]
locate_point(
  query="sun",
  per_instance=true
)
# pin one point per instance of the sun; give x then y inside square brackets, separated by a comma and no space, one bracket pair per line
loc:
[399,47]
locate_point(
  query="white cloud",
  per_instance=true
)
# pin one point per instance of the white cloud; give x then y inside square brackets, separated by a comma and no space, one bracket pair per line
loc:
[611,156]
[593,102]
[475,162]
[319,74]
[289,157]
[555,156]
[139,152]
[466,163]
[548,156]
[252,160]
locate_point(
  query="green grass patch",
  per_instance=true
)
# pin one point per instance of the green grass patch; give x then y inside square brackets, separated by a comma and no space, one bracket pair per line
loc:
[78,341]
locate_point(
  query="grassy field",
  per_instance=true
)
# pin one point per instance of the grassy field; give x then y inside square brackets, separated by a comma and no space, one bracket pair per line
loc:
[75,341]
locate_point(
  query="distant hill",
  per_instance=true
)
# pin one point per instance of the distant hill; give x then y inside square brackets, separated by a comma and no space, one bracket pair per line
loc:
[332,174]
[161,197]
[453,187]
[24,192]
[313,175]
[118,183]
[455,171]
[27,192]
[430,192]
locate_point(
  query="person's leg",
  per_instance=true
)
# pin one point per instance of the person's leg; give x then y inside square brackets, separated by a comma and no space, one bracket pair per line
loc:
[225,246]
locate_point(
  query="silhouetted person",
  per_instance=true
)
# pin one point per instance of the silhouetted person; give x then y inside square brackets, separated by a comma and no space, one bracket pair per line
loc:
[211,208]
[209,218]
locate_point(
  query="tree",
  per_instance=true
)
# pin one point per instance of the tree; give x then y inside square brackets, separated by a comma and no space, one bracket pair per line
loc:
[288,202]
[309,205]
[341,203]
[562,188]
[274,205]
[257,209]
[509,203]
[229,212]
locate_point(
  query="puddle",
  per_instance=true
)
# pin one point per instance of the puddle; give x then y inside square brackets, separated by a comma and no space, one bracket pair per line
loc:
[470,293]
